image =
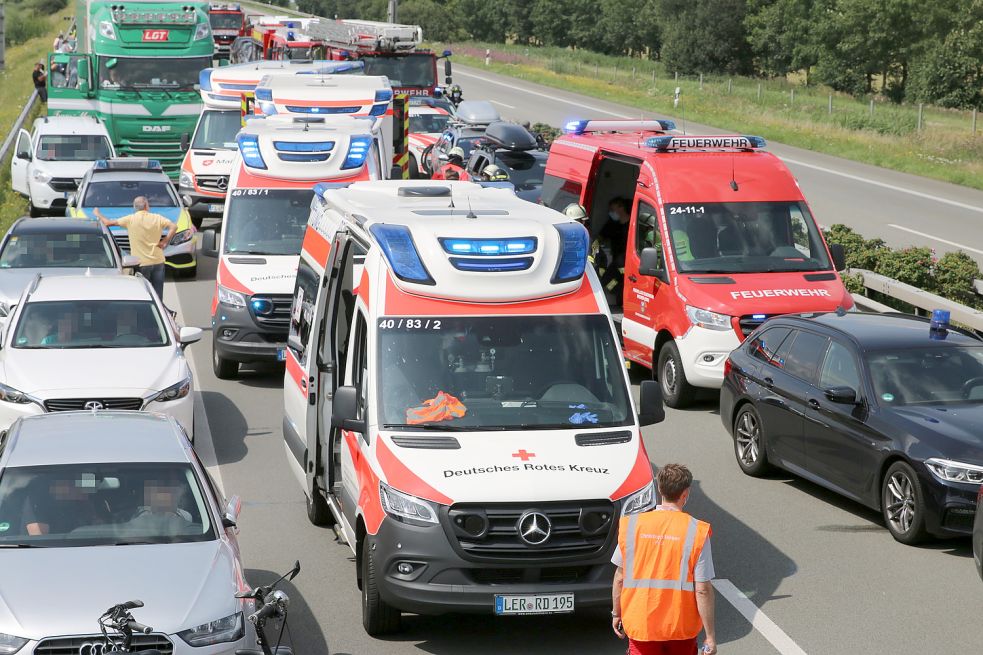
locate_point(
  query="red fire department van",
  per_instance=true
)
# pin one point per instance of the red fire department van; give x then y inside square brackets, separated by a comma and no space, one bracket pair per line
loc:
[719,238]
[456,403]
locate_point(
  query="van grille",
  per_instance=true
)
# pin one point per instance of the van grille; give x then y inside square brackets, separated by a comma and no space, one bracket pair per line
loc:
[216,183]
[277,318]
[64,184]
[84,645]
[750,322]
[71,404]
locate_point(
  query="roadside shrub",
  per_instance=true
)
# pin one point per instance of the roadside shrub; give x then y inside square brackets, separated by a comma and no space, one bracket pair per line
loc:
[910,265]
[23,26]
[48,7]
[860,252]
[954,274]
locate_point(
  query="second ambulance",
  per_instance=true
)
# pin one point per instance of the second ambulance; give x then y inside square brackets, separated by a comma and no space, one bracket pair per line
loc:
[455,401]
[717,238]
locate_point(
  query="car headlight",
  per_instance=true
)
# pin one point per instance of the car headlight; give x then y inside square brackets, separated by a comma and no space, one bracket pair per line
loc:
[950,471]
[40,176]
[9,644]
[641,501]
[174,392]
[704,318]
[11,395]
[202,31]
[182,237]
[404,507]
[230,628]
[186,180]
[231,298]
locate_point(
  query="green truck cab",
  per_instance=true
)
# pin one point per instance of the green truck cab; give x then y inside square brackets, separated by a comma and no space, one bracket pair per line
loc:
[137,69]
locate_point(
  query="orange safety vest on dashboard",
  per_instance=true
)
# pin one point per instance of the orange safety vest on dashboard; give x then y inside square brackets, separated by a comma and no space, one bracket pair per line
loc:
[659,550]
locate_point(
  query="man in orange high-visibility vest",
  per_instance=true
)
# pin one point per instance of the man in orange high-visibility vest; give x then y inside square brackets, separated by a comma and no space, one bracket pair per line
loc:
[662,593]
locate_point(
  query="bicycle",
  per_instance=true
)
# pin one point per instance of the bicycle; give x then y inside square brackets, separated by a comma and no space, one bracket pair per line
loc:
[271,603]
[120,621]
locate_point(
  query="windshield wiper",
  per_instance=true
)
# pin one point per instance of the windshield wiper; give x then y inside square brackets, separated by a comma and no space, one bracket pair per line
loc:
[710,270]
[22,546]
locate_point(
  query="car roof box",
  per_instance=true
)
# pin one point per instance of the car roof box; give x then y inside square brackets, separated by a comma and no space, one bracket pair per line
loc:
[477,112]
[510,136]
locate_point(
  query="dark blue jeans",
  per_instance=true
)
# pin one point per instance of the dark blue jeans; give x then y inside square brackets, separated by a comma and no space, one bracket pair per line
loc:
[155,274]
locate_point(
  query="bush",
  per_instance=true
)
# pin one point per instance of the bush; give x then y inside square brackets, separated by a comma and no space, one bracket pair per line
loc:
[23,26]
[48,7]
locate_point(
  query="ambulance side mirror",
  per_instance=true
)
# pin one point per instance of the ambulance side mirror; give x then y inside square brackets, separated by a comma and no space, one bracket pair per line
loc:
[344,410]
[650,407]
[838,254]
[209,246]
[652,264]
[185,142]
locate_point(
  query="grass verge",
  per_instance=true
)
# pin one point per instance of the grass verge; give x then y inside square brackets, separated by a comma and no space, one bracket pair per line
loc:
[944,148]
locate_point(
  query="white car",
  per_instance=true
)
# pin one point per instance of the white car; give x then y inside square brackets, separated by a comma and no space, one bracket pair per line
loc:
[94,342]
[49,162]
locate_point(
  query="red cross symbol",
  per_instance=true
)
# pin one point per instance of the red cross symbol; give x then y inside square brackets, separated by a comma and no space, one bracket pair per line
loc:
[523,455]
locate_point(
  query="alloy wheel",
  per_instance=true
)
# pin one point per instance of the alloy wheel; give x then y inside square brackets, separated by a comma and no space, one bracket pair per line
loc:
[669,380]
[900,502]
[748,441]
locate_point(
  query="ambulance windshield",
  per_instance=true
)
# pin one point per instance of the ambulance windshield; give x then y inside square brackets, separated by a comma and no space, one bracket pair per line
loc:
[218,129]
[500,373]
[403,70]
[266,221]
[745,237]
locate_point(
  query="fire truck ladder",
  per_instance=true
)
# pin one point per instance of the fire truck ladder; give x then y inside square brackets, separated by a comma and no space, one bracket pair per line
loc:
[363,36]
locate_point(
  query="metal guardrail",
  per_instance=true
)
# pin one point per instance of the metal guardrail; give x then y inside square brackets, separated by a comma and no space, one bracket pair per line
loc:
[923,300]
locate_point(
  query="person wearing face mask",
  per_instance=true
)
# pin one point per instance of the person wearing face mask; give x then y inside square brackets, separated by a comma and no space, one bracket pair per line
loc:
[615,231]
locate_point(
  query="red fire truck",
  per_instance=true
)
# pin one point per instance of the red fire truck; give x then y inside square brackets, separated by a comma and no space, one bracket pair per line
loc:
[228,22]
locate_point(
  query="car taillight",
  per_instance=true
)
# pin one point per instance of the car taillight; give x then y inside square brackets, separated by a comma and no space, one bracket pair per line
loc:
[979,495]
[728,366]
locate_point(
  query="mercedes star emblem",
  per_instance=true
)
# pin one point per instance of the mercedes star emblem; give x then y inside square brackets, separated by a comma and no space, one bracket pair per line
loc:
[222,183]
[94,404]
[534,528]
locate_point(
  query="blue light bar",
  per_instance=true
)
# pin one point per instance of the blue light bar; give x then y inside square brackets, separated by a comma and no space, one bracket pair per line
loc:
[205,79]
[574,243]
[378,110]
[249,149]
[358,150]
[308,157]
[489,247]
[940,319]
[238,87]
[297,109]
[384,95]
[575,127]
[401,253]
[759,317]
[491,265]
[293,146]
[447,53]
[263,93]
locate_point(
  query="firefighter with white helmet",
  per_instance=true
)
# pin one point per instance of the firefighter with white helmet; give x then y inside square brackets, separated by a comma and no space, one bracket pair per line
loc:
[455,163]
[494,173]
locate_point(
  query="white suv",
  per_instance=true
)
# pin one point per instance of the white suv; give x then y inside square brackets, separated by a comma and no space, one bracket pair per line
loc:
[50,161]
[94,342]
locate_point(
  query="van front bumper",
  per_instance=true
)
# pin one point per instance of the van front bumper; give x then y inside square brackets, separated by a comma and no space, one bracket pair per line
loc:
[237,336]
[703,353]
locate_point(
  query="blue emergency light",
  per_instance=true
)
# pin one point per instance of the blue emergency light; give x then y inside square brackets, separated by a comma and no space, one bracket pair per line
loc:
[759,317]
[401,253]
[205,79]
[238,87]
[263,93]
[382,99]
[295,146]
[297,109]
[489,247]
[940,319]
[262,306]
[249,149]
[358,150]
[575,127]
[574,243]
[507,265]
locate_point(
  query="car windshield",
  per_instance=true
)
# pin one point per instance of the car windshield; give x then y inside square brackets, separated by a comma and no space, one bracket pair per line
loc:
[502,372]
[745,237]
[102,505]
[468,143]
[73,147]
[525,169]
[120,193]
[90,324]
[402,70]
[428,123]
[915,376]
[225,21]
[266,221]
[138,73]
[218,129]
[57,250]
[302,52]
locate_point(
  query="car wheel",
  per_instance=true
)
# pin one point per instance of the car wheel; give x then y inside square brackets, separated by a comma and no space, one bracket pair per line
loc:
[318,512]
[676,391]
[749,442]
[903,504]
[33,211]
[378,618]
[225,369]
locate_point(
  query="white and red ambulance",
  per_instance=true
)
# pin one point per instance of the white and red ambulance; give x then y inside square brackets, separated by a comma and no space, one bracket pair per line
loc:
[719,238]
[278,162]
[456,402]
[207,163]
[428,120]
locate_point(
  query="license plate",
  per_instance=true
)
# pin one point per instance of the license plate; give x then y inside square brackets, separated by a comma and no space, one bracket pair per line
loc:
[534,604]
[281,354]
[216,209]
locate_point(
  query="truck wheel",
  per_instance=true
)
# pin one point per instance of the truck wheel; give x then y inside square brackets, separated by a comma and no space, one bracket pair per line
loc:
[318,512]
[378,618]
[224,369]
[676,391]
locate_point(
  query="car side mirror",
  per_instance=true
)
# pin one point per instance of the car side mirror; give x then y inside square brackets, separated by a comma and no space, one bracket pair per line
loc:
[842,395]
[344,410]
[70,200]
[185,142]
[231,516]
[26,156]
[838,254]
[650,407]
[130,263]
[209,244]
[447,70]
[295,344]
[652,264]
[189,335]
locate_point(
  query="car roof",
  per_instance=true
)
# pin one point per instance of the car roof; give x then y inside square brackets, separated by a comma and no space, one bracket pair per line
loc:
[94,287]
[70,125]
[881,331]
[111,175]
[27,225]
[94,437]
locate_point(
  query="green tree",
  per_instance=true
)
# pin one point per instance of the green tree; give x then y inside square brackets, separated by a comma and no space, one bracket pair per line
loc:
[627,27]
[705,36]
[782,35]
[441,21]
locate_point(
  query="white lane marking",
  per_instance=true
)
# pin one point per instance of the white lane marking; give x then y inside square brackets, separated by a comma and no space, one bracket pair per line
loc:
[204,445]
[885,185]
[515,87]
[933,238]
[496,102]
[768,629]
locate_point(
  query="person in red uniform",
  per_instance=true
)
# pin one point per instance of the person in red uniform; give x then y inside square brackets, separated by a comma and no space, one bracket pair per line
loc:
[455,162]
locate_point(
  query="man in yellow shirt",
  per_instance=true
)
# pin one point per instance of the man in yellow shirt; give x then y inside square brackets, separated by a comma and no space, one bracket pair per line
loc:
[146,243]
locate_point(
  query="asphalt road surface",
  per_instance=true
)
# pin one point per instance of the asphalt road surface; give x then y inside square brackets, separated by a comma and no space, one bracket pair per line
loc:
[822,575]
[902,209]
